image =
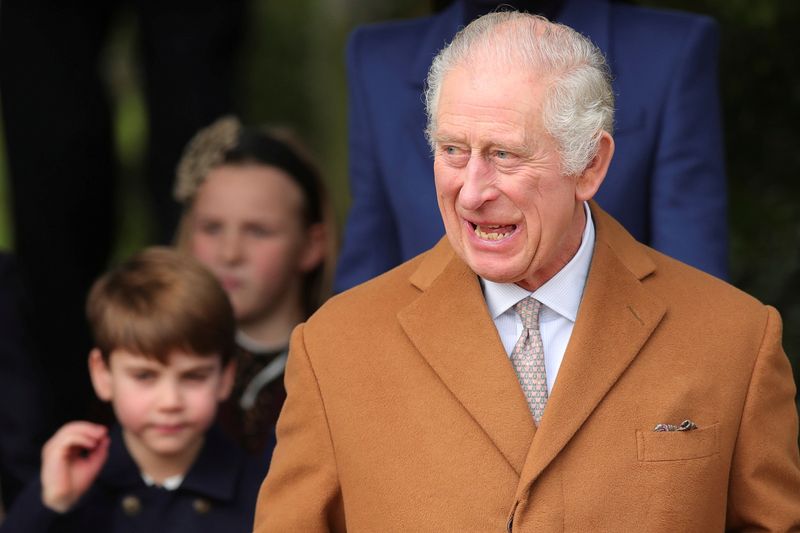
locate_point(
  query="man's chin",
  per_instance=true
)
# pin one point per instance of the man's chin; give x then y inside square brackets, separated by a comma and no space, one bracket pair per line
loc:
[496,274]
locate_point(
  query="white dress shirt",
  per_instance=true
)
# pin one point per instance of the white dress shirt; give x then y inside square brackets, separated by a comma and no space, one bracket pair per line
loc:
[560,296]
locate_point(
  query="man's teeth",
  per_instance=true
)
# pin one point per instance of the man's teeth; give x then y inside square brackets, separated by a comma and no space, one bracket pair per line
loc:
[485,232]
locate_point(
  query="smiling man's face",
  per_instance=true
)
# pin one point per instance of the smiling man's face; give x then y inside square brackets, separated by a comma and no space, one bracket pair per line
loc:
[509,212]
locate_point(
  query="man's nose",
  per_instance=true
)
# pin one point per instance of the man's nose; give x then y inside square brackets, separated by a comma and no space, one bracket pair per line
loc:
[478,187]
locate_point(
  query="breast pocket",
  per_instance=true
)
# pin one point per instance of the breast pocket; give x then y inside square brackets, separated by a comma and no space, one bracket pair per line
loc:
[654,446]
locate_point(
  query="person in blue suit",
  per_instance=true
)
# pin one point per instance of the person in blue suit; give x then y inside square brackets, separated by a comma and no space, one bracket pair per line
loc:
[667,182]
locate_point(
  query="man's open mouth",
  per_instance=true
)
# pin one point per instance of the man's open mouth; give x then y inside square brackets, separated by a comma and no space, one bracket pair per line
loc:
[493,232]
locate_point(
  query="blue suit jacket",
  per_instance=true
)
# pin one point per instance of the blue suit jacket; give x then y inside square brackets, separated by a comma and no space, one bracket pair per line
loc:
[666,183]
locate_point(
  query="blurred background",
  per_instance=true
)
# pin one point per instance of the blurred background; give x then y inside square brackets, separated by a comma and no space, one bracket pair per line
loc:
[291,72]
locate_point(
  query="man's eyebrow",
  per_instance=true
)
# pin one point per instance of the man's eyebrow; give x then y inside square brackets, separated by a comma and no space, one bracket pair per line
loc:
[445,138]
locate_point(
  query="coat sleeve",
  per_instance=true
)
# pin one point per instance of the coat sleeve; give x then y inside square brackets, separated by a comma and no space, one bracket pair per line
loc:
[371,243]
[301,491]
[764,489]
[689,189]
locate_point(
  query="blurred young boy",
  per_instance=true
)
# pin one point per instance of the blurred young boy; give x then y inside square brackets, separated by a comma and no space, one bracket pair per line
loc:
[164,333]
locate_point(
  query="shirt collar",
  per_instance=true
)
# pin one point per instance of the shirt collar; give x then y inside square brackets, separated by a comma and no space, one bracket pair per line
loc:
[562,293]
[170,483]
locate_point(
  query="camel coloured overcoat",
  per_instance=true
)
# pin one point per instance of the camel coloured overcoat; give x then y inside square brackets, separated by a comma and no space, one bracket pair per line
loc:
[404,412]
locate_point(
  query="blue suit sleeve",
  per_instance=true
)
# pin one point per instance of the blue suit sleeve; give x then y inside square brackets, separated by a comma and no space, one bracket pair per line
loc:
[689,190]
[371,245]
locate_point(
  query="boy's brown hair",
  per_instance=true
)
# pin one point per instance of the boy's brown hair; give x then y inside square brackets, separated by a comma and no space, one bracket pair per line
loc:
[160,301]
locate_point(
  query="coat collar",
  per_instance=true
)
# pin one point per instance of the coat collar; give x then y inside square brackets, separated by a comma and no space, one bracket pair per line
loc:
[616,317]
[590,17]
[466,351]
[215,473]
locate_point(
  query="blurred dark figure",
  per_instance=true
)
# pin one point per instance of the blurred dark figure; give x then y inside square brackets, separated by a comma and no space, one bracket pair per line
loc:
[57,118]
[23,401]
[475,8]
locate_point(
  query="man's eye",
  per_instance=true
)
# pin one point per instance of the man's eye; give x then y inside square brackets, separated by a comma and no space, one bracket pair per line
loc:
[451,149]
[144,375]
[197,377]
[503,154]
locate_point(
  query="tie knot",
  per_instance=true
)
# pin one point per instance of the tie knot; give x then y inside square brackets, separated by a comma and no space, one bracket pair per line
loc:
[528,310]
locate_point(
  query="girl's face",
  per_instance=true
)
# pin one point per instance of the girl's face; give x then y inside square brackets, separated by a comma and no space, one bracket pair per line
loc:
[247,229]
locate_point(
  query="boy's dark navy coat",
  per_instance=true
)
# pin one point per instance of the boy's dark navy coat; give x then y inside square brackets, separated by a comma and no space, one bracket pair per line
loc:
[217,496]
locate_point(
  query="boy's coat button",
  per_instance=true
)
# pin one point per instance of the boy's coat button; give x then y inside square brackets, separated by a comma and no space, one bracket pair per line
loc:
[131,505]
[201,506]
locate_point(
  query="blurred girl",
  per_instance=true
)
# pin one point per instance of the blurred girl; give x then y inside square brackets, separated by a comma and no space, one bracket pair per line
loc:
[257,215]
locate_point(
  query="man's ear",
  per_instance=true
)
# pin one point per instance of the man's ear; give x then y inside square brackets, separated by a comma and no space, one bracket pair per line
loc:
[315,246]
[101,375]
[226,381]
[591,178]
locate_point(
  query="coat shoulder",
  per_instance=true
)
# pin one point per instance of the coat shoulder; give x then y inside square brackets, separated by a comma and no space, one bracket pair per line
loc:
[379,297]
[706,303]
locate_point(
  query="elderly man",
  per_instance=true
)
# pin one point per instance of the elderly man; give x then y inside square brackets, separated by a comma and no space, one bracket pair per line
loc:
[538,370]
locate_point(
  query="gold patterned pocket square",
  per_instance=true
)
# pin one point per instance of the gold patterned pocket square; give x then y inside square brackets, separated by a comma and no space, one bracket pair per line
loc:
[686,425]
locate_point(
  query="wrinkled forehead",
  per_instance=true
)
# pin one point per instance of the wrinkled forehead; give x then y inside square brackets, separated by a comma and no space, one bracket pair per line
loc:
[493,93]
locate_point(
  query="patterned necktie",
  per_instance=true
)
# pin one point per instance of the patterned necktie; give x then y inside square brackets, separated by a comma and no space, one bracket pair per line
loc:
[528,357]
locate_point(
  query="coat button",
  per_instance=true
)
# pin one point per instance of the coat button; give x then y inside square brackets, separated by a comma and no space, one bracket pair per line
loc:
[131,505]
[201,506]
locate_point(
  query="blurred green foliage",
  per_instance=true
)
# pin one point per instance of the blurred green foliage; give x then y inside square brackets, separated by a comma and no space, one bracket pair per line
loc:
[292,73]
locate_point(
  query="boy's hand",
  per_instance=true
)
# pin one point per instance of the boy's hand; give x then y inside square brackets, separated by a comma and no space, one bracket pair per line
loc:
[71,460]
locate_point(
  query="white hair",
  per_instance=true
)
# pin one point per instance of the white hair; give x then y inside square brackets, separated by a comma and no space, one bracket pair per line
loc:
[579,102]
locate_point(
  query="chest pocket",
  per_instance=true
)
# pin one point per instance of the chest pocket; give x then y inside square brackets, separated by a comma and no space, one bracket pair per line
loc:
[654,446]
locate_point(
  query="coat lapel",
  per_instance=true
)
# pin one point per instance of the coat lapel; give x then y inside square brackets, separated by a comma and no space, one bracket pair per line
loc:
[616,317]
[451,327]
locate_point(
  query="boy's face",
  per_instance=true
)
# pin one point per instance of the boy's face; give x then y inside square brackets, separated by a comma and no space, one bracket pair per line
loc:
[164,410]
